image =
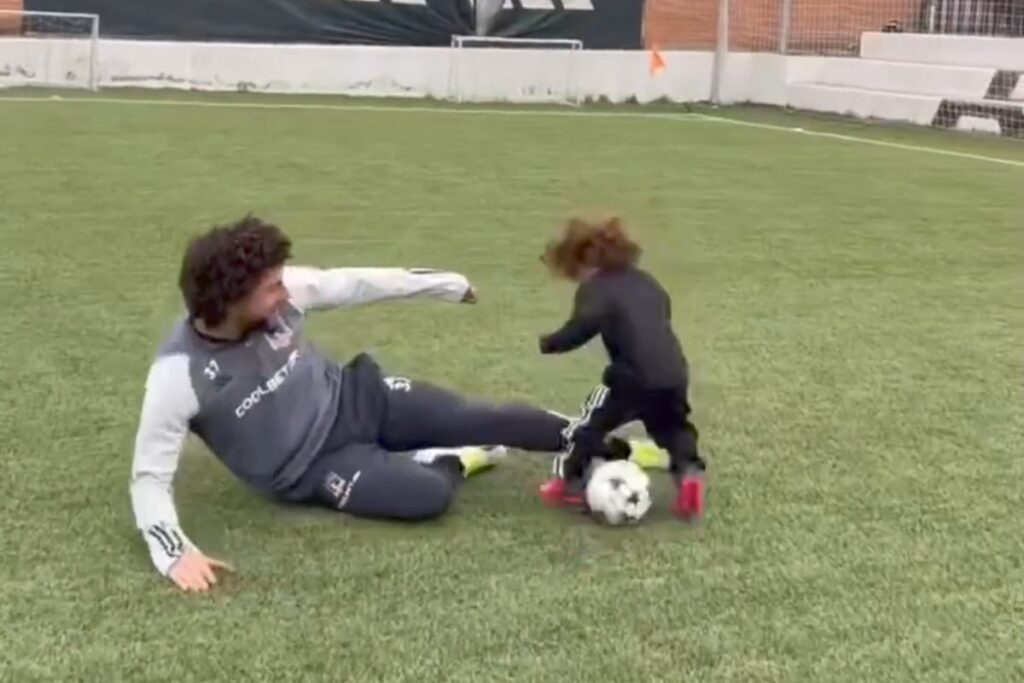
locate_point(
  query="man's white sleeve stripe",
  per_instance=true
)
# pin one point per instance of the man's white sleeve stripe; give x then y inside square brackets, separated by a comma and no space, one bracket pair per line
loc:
[169,540]
[155,533]
[179,545]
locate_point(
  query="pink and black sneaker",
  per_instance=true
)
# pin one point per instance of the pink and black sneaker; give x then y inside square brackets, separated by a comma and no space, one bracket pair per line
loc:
[690,497]
[561,493]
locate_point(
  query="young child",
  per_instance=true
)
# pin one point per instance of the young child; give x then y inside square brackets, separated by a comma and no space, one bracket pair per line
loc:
[647,377]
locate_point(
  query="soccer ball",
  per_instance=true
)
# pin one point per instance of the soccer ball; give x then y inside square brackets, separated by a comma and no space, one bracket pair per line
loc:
[619,491]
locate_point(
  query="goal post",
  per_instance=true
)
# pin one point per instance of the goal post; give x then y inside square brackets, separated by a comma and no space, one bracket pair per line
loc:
[493,69]
[49,49]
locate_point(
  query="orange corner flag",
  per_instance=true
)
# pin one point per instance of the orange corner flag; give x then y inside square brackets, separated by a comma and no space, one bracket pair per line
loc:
[657,64]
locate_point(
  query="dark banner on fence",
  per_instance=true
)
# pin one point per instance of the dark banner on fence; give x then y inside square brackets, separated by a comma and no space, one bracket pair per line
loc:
[598,23]
[373,22]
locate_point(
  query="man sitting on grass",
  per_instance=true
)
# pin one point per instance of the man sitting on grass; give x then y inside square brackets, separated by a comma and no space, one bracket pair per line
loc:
[287,420]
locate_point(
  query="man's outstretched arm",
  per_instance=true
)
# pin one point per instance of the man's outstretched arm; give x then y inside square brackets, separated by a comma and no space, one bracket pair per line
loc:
[313,288]
[167,407]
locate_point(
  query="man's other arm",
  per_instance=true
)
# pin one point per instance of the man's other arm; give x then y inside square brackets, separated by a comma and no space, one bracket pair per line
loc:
[316,288]
[168,405]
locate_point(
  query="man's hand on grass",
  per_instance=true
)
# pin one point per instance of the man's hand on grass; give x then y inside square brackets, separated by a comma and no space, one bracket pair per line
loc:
[195,572]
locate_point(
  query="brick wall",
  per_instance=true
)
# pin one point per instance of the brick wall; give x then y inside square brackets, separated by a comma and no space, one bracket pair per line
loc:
[815,25]
[688,24]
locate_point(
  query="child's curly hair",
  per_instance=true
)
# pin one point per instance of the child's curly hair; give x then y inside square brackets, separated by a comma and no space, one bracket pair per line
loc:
[601,245]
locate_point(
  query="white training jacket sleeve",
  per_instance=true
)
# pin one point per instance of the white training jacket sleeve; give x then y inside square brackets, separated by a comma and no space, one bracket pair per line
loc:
[313,288]
[169,403]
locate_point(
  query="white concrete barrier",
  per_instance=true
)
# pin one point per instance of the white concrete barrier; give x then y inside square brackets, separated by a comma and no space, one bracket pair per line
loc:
[904,90]
[999,53]
[492,75]
[865,104]
[906,77]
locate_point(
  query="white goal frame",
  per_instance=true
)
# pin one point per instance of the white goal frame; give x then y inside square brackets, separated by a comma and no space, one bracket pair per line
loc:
[92,37]
[463,45]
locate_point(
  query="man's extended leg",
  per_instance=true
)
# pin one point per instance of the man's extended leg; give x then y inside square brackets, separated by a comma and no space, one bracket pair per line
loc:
[367,481]
[422,415]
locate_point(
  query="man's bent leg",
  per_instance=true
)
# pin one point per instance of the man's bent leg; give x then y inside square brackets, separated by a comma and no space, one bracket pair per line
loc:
[367,481]
[421,415]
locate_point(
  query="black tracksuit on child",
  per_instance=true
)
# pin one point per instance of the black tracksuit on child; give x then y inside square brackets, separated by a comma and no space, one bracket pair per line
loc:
[647,378]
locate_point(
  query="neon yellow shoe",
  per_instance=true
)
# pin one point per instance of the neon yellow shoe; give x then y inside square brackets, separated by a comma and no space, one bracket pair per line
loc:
[476,459]
[648,455]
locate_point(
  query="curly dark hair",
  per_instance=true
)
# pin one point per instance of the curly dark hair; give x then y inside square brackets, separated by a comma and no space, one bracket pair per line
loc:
[603,245]
[225,264]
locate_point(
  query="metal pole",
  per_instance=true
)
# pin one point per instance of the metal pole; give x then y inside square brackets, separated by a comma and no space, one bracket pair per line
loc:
[785,22]
[94,57]
[721,51]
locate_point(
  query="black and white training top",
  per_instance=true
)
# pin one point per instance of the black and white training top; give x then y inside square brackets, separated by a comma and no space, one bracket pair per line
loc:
[263,405]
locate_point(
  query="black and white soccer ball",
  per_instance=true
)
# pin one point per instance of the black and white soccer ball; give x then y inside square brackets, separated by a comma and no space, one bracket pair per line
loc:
[619,492]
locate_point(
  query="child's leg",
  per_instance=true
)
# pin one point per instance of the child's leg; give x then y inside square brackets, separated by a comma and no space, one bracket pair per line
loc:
[666,417]
[602,412]
[668,423]
[680,441]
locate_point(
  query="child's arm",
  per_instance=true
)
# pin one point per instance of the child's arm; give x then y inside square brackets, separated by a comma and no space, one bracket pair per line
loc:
[585,322]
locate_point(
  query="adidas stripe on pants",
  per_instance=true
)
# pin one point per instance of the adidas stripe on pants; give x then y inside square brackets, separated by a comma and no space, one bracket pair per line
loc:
[575,457]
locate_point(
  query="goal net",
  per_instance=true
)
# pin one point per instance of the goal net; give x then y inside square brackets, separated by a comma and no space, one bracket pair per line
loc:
[945,63]
[490,69]
[819,27]
[49,49]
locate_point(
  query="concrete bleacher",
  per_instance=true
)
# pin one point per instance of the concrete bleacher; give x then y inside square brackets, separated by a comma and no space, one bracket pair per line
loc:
[965,82]
[951,50]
